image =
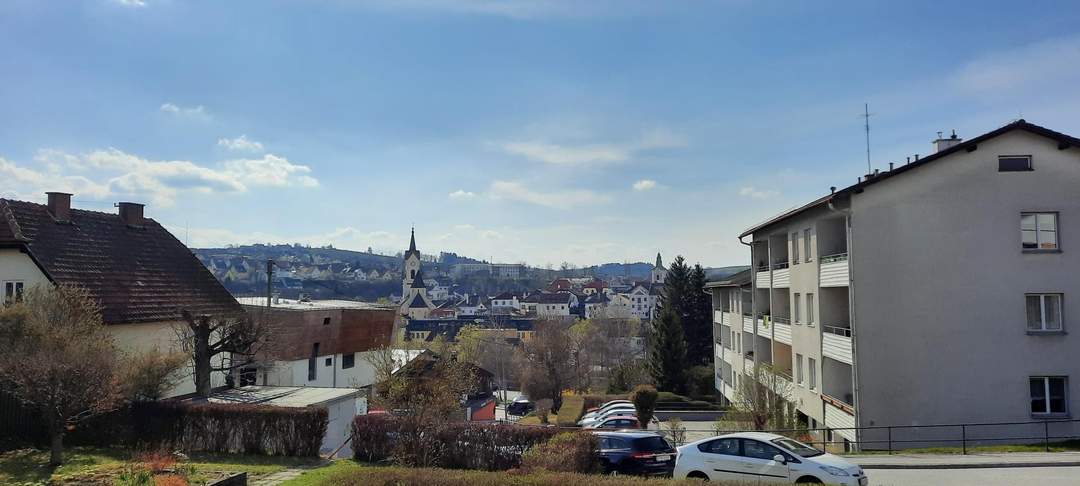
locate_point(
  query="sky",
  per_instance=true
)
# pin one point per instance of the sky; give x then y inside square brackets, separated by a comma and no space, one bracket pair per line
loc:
[542,131]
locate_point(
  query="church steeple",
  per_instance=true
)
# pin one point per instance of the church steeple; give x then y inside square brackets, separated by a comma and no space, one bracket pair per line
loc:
[659,263]
[412,241]
[658,273]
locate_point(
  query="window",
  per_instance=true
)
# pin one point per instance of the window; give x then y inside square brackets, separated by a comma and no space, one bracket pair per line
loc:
[806,245]
[798,369]
[312,369]
[760,450]
[794,248]
[13,292]
[348,361]
[1043,312]
[1014,163]
[797,314]
[727,447]
[329,361]
[809,309]
[1048,395]
[1038,231]
[326,321]
[812,368]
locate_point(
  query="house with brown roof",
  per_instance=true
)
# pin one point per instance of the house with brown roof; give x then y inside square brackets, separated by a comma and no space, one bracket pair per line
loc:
[138,272]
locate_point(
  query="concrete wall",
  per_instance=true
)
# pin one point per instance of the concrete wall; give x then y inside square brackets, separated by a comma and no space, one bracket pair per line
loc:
[940,280]
[17,266]
[295,373]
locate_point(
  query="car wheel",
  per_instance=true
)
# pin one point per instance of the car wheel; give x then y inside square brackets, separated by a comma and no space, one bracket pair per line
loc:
[697,475]
[808,480]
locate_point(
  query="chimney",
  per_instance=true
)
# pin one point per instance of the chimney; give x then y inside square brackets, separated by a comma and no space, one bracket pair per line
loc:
[60,205]
[131,213]
[944,143]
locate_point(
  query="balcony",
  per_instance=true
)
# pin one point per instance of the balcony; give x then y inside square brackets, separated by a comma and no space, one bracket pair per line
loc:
[781,275]
[836,343]
[764,280]
[834,271]
[782,329]
[748,324]
[718,317]
[839,415]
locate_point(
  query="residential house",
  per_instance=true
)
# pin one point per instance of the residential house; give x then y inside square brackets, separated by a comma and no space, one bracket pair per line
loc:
[940,291]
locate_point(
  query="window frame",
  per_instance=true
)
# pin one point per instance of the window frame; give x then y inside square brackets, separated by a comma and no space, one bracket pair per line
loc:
[795,248]
[1042,329]
[809,309]
[797,310]
[799,369]
[811,375]
[348,360]
[806,246]
[18,289]
[1046,396]
[1057,232]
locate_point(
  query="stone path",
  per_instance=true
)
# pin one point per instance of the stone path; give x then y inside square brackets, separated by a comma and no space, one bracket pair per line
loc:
[277,478]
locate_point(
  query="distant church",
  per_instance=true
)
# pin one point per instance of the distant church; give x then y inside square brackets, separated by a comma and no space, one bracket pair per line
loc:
[658,274]
[415,302]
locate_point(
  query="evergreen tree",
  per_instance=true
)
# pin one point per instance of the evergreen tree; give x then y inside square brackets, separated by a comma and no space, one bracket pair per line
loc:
[697,319]
[667,351]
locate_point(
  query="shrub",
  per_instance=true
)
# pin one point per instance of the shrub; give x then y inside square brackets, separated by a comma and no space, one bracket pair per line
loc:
[644,398]
[573,407]
[674,430]
[702,381]
[156,461]
[459,445]
[151,374]
[543,409]
[566,452]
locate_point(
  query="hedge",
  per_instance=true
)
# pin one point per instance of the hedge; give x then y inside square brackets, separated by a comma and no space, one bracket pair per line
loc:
[209,427]
[351,474]
[566,452]
[457,445]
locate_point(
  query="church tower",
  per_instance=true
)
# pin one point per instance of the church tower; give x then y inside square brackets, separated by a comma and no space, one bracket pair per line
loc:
[659,273]
[411,267]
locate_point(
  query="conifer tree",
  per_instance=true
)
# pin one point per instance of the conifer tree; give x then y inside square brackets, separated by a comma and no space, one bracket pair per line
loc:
[667,352]
[697,319]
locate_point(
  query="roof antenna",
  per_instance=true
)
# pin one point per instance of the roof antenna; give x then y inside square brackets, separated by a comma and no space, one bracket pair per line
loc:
[866,119]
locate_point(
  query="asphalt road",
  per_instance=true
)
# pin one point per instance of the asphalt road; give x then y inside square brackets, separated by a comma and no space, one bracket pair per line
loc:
[1042,476]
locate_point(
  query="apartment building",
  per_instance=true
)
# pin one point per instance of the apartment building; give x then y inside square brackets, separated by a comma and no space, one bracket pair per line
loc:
[941,291]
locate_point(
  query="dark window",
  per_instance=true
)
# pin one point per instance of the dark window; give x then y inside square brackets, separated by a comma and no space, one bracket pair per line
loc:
[1048,395]
[312,369]
[759,450]
[1038,231]
[247,376]
[1014,163]
[326,321]
[728,447]
[348,361]
[329,361]
[651,444]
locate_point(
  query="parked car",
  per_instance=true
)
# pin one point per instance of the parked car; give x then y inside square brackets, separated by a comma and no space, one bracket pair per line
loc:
[619,410]
[638,453]
[615,422]
[608,405]
[753,456]
[520,407]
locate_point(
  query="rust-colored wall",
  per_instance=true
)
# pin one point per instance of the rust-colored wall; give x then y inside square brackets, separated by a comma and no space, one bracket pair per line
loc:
[349,330]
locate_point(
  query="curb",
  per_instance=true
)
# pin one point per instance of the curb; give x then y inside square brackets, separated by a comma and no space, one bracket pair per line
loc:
[985,465]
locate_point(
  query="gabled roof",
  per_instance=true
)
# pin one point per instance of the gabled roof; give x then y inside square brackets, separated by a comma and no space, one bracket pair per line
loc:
[552,298]
[139,274]
[507,295]
[1064,141]
[736,280]
[412,245]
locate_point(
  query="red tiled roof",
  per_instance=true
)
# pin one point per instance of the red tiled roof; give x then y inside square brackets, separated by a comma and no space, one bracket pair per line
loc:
[139,274]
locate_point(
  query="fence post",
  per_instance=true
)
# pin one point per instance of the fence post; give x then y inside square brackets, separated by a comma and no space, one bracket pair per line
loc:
[890,440]
[1046,435]
[963,438]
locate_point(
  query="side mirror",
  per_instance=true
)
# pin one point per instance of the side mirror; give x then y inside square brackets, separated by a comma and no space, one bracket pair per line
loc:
[779,458]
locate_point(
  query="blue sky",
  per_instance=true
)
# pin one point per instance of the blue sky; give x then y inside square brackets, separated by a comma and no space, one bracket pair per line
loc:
[537,131]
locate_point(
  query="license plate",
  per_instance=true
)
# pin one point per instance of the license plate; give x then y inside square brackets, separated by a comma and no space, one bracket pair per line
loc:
[863,481]
[663,457]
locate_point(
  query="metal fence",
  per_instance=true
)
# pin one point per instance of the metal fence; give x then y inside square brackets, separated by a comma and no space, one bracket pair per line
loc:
[894,438]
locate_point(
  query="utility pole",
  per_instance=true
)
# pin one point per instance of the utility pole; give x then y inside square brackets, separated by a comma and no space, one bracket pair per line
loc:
[269,283]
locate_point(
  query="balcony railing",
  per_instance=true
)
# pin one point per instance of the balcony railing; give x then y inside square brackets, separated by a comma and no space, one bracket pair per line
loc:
[763,268]
[781,320]
[779,265]
[838,403]
[839,331]
[837,257]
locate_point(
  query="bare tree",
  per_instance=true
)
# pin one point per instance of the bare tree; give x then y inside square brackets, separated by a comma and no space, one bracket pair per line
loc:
[548,362]
[225,344]
[764,399]
[57,356]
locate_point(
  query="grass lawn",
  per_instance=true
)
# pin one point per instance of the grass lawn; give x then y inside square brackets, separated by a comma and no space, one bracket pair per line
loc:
[1067,446]
[30,466]
[573,407]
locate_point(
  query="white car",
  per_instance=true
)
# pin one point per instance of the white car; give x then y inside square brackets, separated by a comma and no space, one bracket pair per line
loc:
[609,413]
[758,456]
[608,406]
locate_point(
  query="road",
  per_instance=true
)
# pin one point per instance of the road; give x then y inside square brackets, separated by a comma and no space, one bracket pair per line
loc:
[1042,476]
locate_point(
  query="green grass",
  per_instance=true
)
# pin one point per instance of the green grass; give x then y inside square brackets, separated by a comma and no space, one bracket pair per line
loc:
[1067,446]
[30,466]
[321,475]
[573,407]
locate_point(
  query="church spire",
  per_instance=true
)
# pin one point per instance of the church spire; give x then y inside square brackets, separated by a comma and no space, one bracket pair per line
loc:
[412,240]
[659,263]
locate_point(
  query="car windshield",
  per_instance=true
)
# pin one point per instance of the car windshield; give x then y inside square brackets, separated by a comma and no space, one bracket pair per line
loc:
[651,444]
[800,449]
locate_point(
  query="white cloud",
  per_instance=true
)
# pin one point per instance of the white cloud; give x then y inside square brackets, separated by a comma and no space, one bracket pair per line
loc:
[195,113]
[462,194]
[117,173]
[516,191]
[240,143]
[344,237]
[644,185]
[132,3]
[755,193]
[592,154]
[520,9]
[1053,61]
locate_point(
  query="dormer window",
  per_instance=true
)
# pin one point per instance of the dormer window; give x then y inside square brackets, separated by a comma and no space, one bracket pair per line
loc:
[1014,163]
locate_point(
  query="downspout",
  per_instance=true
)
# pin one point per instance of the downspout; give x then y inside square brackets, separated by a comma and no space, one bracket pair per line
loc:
[851,318]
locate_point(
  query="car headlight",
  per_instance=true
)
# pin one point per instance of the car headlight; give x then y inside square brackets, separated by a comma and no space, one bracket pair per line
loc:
[835,471]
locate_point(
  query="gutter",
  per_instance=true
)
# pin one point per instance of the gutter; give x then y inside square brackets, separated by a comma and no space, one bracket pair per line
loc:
[851,315]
